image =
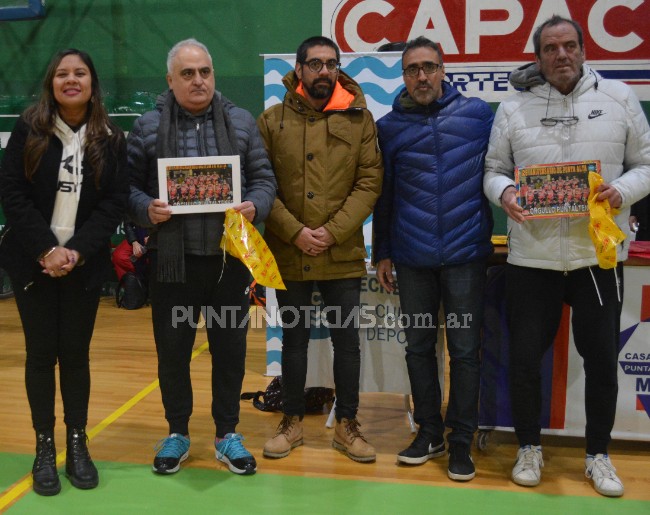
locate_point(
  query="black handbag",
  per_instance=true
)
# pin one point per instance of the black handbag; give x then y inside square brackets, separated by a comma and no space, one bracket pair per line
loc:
[131,292]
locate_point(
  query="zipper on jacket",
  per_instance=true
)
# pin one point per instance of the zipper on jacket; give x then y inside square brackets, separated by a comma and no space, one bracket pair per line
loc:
[565,133]
[566,156]
[432,123]
[199,146]
[202,151]
[5,231]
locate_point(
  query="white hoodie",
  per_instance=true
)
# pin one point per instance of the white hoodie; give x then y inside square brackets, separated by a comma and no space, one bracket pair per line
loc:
[69,182]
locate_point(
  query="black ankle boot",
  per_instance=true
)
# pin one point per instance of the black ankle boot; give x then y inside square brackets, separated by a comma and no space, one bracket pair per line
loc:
[44,474]
[79,468]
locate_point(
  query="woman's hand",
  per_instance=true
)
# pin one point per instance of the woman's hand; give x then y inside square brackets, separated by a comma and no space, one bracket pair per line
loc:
[59,262]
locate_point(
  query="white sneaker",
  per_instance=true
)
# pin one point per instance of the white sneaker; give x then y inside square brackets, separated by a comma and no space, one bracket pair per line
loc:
[600,470]
[526,471]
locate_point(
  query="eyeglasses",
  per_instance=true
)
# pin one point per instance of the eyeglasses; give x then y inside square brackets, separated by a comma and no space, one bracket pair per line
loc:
[564,120]
[413,70]
[552,121]
[316,65]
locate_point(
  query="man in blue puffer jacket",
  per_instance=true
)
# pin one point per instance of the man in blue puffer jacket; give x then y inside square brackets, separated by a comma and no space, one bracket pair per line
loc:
[434,224]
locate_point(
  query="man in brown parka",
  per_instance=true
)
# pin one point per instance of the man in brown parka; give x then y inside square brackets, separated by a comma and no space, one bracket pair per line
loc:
[322,142]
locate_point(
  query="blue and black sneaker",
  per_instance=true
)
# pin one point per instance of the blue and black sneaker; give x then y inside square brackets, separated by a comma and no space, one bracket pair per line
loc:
[170,453]
[232,452]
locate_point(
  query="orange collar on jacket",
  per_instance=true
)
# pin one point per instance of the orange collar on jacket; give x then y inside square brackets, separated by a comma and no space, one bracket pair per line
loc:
[341,98]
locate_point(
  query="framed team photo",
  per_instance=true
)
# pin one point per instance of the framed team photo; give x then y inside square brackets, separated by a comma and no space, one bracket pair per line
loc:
[199,184]
[555,190]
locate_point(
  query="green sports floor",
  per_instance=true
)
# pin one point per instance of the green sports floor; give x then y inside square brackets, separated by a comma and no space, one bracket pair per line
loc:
[129,488]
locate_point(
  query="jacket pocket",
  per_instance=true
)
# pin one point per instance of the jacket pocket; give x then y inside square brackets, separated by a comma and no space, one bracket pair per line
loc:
[353,249]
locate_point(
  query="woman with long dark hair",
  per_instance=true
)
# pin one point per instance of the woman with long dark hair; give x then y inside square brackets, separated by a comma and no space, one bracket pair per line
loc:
[63,190]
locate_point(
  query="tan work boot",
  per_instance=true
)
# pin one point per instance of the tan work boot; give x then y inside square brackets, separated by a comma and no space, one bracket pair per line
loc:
[287,436]
[349,440]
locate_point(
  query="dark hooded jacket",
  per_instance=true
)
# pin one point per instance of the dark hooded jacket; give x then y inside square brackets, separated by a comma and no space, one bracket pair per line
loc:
[201,232]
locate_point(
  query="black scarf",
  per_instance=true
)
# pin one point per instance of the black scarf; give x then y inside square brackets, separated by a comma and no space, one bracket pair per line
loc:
[171,254]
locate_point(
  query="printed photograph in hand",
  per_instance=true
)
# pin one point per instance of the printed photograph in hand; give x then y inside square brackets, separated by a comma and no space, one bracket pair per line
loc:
[555,190]
[201,184]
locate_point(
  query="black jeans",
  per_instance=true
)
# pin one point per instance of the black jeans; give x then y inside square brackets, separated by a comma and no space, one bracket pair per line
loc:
[58,317]
[460,288]
[534,299]
[175,309]
[342,298]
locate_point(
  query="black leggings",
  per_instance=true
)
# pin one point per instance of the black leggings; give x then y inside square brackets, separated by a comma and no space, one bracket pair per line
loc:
[58,317]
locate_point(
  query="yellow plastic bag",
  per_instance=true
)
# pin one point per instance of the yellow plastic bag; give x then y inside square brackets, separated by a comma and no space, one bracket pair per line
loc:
[241,240]
[604,232]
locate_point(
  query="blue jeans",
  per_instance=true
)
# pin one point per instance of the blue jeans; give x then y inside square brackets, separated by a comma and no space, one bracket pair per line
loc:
[460,288]
[343,294]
